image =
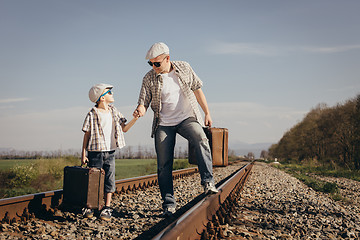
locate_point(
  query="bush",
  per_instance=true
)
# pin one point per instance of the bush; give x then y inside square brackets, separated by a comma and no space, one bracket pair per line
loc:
[330,187]
[22,175]
[5,193]
[38,176]
[337,197]
[181,164]
[55,167]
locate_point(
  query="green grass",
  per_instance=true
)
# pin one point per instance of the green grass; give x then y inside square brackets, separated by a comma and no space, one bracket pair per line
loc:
[127,168]
[324,170]
[301,172]
[21,176]
[7,164]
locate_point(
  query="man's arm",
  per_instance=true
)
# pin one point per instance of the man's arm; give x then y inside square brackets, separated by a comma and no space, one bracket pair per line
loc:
[144,98]
[200,97]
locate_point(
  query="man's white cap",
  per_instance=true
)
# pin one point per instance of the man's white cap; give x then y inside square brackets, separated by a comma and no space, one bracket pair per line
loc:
[156,50]
[96,91]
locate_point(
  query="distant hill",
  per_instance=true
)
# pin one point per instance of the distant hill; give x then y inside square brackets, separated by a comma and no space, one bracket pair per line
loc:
[5,149]
[242,148]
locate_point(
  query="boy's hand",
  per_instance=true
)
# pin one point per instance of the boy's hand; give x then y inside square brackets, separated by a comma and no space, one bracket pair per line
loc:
[84,160]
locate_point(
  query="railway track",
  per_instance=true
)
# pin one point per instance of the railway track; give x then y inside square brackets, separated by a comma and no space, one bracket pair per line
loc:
[39,204]
[197,217]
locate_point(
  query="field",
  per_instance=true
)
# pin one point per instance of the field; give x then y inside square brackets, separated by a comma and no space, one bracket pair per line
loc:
[7,164]
[23,176]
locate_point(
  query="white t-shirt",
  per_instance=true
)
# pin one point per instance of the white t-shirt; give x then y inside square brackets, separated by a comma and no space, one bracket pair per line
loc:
[106,122]
[175,107]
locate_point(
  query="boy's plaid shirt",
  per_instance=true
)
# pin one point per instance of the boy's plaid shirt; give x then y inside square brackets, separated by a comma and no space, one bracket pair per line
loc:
[152,84]
[97,139]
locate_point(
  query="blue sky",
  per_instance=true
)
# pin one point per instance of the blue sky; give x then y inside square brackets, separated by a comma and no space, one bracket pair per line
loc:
[264,64]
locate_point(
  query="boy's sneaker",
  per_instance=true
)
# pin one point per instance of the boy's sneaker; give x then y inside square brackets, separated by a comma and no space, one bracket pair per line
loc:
[209,188]
[87,212]
[169,211]
[106,213]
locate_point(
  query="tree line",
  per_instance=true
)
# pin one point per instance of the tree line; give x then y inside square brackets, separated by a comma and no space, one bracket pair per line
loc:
[128,152]
[327,134]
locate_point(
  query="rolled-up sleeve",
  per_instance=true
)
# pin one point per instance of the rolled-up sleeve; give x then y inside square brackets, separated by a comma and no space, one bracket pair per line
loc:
[196,81]
[86,125]
[122,119]
[145,95]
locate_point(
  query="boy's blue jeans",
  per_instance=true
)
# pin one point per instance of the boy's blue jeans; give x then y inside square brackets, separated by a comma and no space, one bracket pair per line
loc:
[106,161]
[165,143]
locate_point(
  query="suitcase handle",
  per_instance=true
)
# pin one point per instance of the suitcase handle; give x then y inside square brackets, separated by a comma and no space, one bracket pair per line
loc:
[86,165]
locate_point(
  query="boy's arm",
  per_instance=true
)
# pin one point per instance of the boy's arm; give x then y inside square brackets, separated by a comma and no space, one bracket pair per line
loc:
[86,138]
[126,127]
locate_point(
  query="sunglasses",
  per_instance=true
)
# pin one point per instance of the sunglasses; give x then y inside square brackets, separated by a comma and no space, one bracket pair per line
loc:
[107,92]
[156,64]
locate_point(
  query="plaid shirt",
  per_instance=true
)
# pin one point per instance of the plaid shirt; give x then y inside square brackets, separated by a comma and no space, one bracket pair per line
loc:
[152,84]
[97,138]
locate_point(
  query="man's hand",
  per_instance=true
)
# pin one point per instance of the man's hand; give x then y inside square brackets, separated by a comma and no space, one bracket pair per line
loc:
[208,120]
[139,111]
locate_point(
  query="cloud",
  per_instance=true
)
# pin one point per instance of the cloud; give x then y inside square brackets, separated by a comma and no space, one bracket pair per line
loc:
[346,89]
[6,107]
[335,49]
[12,100]
[241,48]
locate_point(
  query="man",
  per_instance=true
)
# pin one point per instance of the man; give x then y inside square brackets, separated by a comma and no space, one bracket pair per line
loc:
[174,90]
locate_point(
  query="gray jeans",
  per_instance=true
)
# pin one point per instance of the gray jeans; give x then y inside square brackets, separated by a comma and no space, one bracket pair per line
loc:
[165,143]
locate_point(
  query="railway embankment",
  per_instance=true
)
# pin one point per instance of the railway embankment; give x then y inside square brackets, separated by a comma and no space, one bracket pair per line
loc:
[275,205]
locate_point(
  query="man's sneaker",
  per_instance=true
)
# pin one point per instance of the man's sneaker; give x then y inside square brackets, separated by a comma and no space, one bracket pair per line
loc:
[169,211]
[87,212]
[209,188]
[106,213]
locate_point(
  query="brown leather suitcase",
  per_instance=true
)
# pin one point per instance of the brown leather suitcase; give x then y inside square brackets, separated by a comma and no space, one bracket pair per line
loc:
[84,187]
[218,140]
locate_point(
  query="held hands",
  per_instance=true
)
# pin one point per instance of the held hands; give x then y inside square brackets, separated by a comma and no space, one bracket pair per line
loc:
[139,111]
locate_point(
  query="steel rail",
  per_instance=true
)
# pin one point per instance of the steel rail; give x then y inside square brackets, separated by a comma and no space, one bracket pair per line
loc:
[197,222]
[32,205]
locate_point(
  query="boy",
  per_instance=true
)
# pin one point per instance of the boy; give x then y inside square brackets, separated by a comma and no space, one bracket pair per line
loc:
[103,132]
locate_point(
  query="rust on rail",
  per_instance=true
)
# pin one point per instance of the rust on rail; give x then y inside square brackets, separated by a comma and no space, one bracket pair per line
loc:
[201,220]
[28,206]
